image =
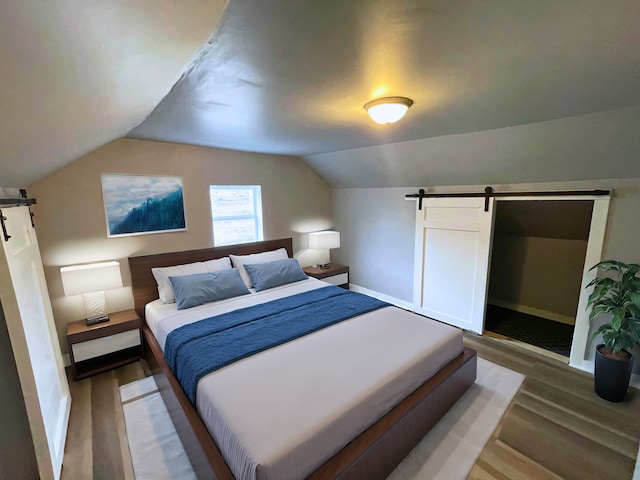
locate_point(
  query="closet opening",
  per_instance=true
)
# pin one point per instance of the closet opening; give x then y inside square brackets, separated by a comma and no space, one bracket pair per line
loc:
[536,271]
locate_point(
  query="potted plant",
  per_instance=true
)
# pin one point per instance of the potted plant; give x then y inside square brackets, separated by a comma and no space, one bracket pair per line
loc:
[617,295]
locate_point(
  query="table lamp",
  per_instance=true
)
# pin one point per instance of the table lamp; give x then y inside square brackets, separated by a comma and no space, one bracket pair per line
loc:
[324,241]
[90,281]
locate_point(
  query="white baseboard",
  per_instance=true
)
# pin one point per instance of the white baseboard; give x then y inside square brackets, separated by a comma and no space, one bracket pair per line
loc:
[588,366]
[585,366]
[381,296]
[556,317]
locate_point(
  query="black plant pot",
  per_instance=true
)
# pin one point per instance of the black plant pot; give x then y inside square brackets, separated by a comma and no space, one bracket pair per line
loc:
[612,376]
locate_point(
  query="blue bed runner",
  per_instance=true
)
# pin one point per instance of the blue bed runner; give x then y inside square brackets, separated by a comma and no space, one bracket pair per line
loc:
[192,351]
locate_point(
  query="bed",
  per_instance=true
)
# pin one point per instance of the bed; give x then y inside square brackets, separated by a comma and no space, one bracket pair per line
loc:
[357,433]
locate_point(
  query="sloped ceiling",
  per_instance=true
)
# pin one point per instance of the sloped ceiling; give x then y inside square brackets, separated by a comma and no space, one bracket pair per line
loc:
[292,77]
[286,77]
[76,74]
[560,219]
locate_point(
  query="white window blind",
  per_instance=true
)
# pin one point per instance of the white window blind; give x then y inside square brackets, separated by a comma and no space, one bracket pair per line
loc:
[236,212]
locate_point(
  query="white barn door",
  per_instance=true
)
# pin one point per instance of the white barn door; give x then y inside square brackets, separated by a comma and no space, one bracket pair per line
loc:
[451,266]
[29,318]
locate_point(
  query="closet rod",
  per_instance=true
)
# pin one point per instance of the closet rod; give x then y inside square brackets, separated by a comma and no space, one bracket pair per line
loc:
[488,193]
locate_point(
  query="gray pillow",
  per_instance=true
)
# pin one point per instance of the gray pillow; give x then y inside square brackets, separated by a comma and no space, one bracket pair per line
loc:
[200,288]
[273,274]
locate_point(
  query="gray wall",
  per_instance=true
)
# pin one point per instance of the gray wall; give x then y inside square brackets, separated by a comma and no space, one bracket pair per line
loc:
[377,230]
[17,456]
[539,273]
[377,227]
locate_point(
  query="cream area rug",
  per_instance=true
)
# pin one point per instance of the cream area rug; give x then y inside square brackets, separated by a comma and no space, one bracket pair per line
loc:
[448,452]
[156,450]
[451,448]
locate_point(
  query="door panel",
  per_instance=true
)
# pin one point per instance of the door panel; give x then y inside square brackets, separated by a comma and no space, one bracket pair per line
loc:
[30,323]
[453,244]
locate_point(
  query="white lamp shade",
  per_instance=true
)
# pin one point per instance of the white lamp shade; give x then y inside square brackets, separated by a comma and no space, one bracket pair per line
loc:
[324,240]
[95,277]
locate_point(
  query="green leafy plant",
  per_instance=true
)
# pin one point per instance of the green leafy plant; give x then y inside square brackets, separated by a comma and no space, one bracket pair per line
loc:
[618,295]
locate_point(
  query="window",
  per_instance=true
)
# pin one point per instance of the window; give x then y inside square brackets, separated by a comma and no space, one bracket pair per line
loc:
[236,211]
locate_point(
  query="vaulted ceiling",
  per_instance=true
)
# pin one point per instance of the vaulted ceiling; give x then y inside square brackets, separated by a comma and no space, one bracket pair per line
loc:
[286,77]
[76,74]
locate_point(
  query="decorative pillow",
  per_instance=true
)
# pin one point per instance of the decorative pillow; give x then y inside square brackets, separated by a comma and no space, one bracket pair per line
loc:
[162,274]
[201,288]
[240,260]
[273,274]
[223,263]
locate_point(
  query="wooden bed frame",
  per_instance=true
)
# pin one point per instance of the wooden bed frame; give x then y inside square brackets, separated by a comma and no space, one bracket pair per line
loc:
[371,455]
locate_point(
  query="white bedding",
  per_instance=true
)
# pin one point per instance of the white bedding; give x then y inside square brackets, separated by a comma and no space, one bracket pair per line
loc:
[282,413]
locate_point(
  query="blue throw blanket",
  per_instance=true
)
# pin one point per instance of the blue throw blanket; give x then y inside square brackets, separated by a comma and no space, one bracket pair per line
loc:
[197,349]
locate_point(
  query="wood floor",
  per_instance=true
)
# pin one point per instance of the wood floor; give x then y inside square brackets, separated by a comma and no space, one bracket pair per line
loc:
[556,427]
[97,445]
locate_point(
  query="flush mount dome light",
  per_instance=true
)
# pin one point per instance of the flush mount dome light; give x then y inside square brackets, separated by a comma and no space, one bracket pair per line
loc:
[388,109]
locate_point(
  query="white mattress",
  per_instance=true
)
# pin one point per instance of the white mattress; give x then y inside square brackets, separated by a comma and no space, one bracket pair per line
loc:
[282,413]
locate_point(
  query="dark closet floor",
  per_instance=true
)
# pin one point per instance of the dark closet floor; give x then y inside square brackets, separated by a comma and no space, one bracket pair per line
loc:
[553,336]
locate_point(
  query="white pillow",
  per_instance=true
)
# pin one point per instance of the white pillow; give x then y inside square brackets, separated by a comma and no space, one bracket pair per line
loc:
[240,260]
[162,274]
[223,263]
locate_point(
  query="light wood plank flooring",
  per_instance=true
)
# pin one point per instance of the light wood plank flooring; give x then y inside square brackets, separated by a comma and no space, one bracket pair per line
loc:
[555,428]
[97,445]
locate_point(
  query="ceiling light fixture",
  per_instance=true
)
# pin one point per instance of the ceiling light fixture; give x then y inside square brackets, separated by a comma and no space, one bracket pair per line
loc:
[388,109]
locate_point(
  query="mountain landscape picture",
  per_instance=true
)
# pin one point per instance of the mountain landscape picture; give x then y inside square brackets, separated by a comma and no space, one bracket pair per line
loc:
[139,204]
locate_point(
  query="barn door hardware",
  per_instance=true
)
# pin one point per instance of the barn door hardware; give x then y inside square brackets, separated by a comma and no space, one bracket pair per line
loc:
[4,227]
[16,202]
[420,197]
[489,192]
[23,194]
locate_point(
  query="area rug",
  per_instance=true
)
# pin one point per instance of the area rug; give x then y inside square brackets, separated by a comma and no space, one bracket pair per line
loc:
[553,336]
[448,452]
[451,448]
[156,450]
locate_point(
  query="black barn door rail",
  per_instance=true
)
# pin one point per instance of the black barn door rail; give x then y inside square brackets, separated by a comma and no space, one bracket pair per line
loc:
[15,202]
[489,192]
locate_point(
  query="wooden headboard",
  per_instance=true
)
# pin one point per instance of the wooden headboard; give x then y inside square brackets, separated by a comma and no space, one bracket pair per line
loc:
[145,288]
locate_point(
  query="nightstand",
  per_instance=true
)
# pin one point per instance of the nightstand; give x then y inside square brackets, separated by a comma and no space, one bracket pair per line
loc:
[100,347]
[336,274]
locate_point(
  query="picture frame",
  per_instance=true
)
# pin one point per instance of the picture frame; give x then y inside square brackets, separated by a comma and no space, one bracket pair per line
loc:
[136,204]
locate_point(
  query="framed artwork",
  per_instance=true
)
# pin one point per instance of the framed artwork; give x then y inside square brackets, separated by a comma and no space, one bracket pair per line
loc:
[141,204]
